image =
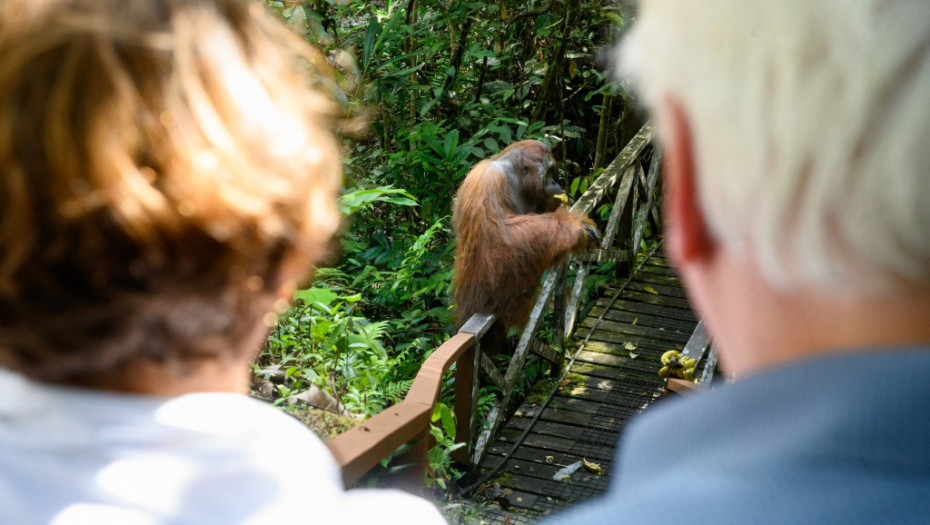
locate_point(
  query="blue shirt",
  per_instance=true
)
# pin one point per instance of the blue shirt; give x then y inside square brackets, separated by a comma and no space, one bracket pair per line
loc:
[841,439]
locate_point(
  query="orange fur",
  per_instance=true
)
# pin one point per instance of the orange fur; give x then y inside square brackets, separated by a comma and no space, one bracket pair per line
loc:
[509,230]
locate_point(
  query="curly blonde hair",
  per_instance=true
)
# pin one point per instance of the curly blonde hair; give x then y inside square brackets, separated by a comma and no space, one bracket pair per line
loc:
[165,167]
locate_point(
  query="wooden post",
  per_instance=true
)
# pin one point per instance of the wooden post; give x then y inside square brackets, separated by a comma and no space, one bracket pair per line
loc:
[464,401]
[411,479]
[560,303]
[625,228]
[466,387]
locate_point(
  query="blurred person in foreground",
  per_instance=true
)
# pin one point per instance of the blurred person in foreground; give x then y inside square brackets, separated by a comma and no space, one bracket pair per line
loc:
[797,146]
[168,172]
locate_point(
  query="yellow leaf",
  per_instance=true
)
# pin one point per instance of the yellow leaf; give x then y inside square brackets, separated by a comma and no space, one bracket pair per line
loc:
[651,290]
[635,321]
[504,15]
[592,466]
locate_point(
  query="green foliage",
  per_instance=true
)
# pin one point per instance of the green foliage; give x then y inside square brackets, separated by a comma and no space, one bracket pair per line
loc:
[322,341]
[440,470]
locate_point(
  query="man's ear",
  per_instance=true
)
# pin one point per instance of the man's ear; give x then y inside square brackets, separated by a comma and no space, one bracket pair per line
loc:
[687,237]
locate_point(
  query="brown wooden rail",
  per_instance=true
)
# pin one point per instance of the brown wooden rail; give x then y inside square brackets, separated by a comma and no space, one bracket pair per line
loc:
[362,448]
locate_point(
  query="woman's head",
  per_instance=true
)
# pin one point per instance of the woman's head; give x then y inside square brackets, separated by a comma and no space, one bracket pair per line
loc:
[166,168]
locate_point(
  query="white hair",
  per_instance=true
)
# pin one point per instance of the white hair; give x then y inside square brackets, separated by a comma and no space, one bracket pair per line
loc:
[811,122]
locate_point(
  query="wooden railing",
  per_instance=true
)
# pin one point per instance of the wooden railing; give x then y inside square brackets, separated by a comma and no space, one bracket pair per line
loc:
[360,449]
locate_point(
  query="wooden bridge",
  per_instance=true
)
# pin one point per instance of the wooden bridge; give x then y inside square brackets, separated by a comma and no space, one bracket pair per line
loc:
[557,450]
[606,369]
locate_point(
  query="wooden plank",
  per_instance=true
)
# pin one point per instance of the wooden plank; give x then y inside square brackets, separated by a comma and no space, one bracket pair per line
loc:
[644,347]
[538,440]
[640,366]
[574,301]
[640,319]
[561,415]
[533,469]
[649,186]
[707,376]
[658,259]
[478,325]
[609,372]
[652,388]
[467,386]
[682,387]
[583,392]
[697,343]
[487,366]
[549,487]
[536,455]
[547,352]
[553,444]
[550,428]
[597,383]
[575,405]
[633,404]
[612,343]
[601,256]
[647,308]
[659,300]
[588,421]
[671,335]
[658,270]
[662,289]
[523,500]
[619,361]
[529,484]
[646,277]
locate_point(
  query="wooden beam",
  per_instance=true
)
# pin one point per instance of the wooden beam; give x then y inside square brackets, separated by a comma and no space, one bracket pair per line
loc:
[598,256]
[608,179]
[640,225]
[707,378]
[697,343]
[478,325]
[683,387]
[488,367]
[547,352]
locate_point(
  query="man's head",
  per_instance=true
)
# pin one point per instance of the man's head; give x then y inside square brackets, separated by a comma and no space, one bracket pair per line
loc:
[166,171]
[810,126]
[796,135]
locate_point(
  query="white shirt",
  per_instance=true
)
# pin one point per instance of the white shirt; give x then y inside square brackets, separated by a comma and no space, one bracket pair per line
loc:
[71,456]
